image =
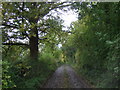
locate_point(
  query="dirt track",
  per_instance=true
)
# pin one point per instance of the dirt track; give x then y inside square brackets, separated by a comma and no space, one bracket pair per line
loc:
[66,77]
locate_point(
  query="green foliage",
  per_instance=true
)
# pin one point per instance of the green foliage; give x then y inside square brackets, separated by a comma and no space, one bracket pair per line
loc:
[18,71]
[93,47]
[35,82]
[31,23]
[50,56]
[96,38]
[25,26]
[7,82]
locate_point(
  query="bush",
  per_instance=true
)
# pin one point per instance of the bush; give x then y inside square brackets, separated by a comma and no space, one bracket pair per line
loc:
[7,81]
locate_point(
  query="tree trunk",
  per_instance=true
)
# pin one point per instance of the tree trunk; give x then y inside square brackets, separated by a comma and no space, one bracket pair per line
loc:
[34,44]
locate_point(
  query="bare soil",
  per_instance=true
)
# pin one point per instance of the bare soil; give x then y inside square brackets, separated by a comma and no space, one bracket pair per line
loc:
[66,77]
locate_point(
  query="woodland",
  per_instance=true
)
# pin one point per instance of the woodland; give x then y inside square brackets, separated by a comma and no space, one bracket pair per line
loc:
[31,35]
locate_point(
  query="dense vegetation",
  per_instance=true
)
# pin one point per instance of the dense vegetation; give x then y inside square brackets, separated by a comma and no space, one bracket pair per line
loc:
[31,35]
[94,46]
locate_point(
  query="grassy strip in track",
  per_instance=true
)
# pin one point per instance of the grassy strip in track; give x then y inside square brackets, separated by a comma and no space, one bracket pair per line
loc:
[66,80]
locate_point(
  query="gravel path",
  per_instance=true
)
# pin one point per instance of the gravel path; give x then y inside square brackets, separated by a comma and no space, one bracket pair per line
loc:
[66,77]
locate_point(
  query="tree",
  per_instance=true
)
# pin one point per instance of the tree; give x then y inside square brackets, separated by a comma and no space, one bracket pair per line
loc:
[96,37]
[26,21]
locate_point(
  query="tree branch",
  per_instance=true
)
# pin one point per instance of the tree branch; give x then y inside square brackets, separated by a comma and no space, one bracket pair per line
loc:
[67,31]
[60,6]
[10,26]
[15,44]
[43,38]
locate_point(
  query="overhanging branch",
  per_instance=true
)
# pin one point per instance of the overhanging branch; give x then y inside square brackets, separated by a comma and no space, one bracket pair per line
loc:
[10,26]
[15,44]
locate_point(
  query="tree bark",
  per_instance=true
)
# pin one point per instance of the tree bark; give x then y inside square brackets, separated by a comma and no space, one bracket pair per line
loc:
[33,43]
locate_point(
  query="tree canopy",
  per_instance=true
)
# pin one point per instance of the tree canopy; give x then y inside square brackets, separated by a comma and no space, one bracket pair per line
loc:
[26,21]
[31,34]
[94,44]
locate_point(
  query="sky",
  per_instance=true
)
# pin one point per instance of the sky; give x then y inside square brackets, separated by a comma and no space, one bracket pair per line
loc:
[67,14]
[69,17]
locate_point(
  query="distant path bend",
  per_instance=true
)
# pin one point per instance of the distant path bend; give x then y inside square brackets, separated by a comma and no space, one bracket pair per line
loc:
[66,77]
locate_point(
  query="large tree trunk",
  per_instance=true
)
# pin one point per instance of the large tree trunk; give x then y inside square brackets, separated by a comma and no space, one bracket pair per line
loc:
[33,47]
[34,44]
